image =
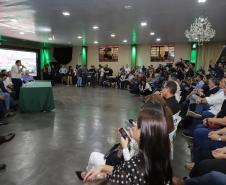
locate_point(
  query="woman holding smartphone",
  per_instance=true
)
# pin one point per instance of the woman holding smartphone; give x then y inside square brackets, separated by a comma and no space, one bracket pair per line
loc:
[152,164]
[129,149]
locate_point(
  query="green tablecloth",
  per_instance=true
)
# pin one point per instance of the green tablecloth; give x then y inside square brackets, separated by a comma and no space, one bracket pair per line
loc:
[36,97]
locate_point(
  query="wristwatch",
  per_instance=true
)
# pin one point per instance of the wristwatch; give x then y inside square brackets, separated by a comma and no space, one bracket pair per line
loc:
[219,139]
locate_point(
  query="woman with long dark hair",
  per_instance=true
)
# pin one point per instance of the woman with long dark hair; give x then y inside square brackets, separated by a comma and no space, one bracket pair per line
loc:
[152,164]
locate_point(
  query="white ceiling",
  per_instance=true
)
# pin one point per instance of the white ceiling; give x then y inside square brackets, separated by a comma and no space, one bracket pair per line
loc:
[167,18]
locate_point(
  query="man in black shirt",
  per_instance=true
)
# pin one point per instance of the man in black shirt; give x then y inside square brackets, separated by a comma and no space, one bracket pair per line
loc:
[168,93]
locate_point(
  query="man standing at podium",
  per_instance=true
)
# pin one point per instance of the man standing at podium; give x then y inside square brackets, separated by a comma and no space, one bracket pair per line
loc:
[16,75]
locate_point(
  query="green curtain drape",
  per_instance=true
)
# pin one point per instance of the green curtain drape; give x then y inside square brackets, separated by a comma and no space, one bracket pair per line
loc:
[45,57]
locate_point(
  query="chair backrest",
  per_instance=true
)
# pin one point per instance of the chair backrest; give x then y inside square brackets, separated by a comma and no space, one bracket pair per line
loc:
[176,119]
[171,134]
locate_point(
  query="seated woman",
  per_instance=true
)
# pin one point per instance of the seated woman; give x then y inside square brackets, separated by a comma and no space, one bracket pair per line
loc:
[145,88]
[129,149]
[152,164]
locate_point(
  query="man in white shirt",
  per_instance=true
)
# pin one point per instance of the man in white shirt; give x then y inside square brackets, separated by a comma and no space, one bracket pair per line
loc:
[63,72]
[16,75]
[127,69]
[210,106]
[101,80]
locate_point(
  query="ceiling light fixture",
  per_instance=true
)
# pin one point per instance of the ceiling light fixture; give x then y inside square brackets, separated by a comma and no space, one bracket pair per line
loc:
[143,24]
[152,33]
[44,29]
[22,33]
[125,41]
[158,39]
[201,1]
[95,27]
[113,35]
[127,7]
[50,38]
[79,37]
[13,20]
[95,42]
[200,31]
[66,13]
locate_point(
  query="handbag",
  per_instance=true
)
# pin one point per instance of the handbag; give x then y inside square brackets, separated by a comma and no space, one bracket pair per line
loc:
[114,156]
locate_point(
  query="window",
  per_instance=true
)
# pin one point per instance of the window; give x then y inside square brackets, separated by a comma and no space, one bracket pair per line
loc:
[163,53]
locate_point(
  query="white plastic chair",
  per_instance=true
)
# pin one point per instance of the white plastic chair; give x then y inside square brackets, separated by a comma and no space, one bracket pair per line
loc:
[176,121]
[171,137]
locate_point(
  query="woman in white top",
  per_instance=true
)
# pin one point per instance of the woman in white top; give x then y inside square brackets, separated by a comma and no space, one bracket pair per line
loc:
[129,149]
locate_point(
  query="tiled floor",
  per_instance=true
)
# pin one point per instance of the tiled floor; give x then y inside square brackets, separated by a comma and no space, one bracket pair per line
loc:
[49,147]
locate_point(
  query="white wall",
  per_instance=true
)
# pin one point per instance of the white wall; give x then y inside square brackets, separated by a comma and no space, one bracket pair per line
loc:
[143,56]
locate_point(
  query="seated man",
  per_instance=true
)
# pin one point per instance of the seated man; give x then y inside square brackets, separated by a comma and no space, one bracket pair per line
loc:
[168,93]
[190,92]
[211,87]
[204,139]
[214,160]
[200,83]
[145,88]
[27,77]
[212,178]
[8,84]
[209,106]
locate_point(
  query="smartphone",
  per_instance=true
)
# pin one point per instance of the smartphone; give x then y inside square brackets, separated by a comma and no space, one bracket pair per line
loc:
[124,133]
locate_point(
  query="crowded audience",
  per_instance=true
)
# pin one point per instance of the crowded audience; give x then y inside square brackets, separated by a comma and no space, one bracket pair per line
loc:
[169,92]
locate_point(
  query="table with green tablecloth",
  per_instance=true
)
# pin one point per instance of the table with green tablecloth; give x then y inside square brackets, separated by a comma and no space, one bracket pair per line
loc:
[36,97]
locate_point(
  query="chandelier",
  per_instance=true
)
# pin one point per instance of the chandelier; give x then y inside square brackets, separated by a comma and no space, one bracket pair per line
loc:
[201,31]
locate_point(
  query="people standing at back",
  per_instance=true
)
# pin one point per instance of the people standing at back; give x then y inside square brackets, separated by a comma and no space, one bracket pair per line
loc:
[79,76]
[63,73]
[101,79]
[127,69]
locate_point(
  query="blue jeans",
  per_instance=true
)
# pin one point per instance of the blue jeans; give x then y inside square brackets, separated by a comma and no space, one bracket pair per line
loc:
[203,143]
[6,100]
[212,178]
[79,81]
[203,109]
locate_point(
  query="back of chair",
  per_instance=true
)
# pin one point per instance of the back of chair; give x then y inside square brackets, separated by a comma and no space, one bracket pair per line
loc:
[171,137]
[176,119]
